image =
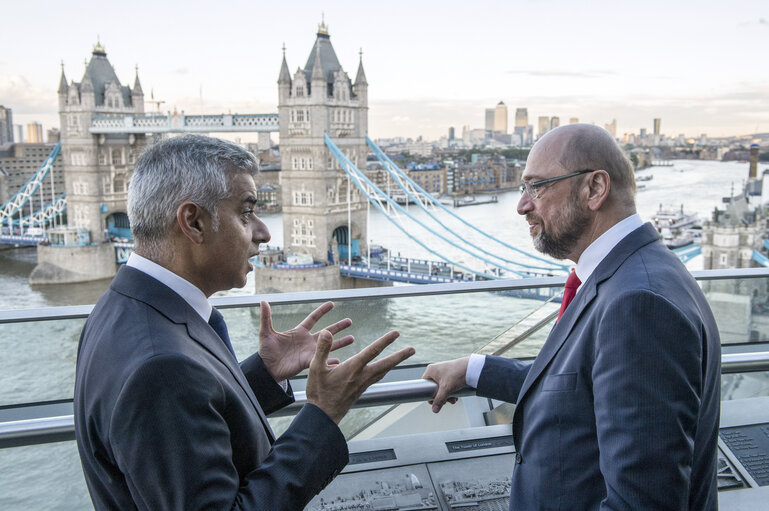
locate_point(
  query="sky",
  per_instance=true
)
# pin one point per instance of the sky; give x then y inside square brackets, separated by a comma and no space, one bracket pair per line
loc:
[698,65]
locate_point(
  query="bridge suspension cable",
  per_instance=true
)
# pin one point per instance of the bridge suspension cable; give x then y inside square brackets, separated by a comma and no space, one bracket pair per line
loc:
[408,186]
[356,176]
[375,196]
[24,195]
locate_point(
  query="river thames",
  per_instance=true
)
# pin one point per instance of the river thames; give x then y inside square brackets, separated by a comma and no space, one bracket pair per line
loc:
[38,360]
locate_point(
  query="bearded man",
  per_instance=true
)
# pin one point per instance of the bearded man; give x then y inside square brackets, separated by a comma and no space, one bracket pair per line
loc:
[620,409]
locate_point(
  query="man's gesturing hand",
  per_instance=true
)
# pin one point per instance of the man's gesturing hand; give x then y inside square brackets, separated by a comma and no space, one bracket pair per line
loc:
[450,377]
[334,388]
[285,354]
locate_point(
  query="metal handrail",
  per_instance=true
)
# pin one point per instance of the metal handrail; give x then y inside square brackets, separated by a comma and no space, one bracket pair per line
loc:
[54,429]
[229,302]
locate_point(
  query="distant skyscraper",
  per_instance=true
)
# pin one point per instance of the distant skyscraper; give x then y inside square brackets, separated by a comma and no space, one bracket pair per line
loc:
[18,133]
[489,125]
[555,121]
[451,133]
[753,168]
[500,118]
[522,125]
[573,120]
[611,127]
[544,125]
[6,125]
[34,133]
[466,133]
[657,123]
[521,117]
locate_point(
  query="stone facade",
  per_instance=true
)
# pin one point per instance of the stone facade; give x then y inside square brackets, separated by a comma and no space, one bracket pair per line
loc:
[316,193]
[276,280]
[67,265]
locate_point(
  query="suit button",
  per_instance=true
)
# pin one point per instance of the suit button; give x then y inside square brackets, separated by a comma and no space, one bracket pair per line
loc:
[518,458]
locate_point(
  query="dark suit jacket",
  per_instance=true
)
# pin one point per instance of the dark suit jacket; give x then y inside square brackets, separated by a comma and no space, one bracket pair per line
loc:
[620,409]
[166,419]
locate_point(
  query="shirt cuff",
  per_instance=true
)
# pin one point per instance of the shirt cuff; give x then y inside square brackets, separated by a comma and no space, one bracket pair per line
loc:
[474,368]
[283,385]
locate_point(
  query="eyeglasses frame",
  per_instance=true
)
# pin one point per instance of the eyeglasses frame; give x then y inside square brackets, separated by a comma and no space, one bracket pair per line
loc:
[531,186]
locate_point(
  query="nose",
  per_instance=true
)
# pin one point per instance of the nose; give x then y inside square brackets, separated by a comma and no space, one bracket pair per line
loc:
[260,233]
[525,204]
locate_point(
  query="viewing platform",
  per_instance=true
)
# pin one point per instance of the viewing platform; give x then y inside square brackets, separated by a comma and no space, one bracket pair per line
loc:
[460,458]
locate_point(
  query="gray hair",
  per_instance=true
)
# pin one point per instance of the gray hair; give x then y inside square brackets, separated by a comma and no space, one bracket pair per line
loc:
[592,147]
[190,168]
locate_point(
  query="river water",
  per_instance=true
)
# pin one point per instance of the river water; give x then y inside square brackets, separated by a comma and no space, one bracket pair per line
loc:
[37,360]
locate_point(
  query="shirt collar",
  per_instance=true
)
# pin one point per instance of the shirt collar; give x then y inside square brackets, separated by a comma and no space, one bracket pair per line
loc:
[600,248]
[188,291]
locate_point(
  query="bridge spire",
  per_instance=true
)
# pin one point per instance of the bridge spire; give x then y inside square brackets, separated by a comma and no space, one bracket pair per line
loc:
[63,87]
[137,90]
[322,28]
[360,78]
[285,76]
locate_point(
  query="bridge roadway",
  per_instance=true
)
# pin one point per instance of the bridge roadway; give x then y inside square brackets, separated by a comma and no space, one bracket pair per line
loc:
[22,240]
[421,271]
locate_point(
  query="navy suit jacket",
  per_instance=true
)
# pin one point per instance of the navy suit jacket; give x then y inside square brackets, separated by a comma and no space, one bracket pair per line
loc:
[620,409]
[165,418]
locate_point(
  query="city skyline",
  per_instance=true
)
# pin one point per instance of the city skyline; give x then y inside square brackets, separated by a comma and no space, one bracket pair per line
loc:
[429,66]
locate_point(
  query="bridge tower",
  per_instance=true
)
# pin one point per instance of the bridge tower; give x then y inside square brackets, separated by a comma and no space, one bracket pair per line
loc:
[320,99]
[97,167]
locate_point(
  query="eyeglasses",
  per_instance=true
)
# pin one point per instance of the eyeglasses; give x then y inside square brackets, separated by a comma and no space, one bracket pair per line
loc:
[530,187]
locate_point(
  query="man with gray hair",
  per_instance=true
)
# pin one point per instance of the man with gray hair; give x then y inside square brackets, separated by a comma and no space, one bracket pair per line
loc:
[165,415]
[620,408]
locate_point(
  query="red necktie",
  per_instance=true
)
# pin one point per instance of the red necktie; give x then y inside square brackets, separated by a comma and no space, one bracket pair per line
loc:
[569,291]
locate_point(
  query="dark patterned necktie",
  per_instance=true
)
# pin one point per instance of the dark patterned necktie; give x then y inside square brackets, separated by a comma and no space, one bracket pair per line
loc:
[569,291]
[220,327]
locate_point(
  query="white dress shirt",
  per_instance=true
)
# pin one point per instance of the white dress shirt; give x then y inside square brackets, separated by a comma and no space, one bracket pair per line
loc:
[588,262]
[189,292]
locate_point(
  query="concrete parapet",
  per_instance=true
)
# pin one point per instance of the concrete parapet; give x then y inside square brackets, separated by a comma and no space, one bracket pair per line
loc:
[274,280]
[67,265]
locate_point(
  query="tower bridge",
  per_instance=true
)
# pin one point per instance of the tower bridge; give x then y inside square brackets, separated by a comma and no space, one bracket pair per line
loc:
[322,120]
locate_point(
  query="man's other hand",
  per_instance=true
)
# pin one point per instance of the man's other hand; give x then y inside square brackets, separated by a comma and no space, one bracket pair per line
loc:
[335,387]
[285,354]
[450,377]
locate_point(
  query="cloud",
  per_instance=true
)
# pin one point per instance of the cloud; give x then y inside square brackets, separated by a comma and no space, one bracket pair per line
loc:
[563,73]
[24,98]
[182,71]
[762,22]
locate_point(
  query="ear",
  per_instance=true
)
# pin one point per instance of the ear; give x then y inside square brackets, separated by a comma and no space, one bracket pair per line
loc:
[599,186]
[193,221]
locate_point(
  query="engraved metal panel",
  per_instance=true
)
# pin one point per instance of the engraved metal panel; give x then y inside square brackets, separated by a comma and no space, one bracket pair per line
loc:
[750,445]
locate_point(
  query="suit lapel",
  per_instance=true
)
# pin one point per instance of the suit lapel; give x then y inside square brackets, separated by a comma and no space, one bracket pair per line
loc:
[560,333]
[140,286]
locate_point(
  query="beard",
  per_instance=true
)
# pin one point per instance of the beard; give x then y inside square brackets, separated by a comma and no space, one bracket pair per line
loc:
[565,231]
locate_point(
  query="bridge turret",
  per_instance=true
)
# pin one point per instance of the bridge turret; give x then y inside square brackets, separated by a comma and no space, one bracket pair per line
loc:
[63,86]
[284,80]
[360,87]
[137,94]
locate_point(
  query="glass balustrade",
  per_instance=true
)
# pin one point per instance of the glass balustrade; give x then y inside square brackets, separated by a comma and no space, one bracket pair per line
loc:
[39,349]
